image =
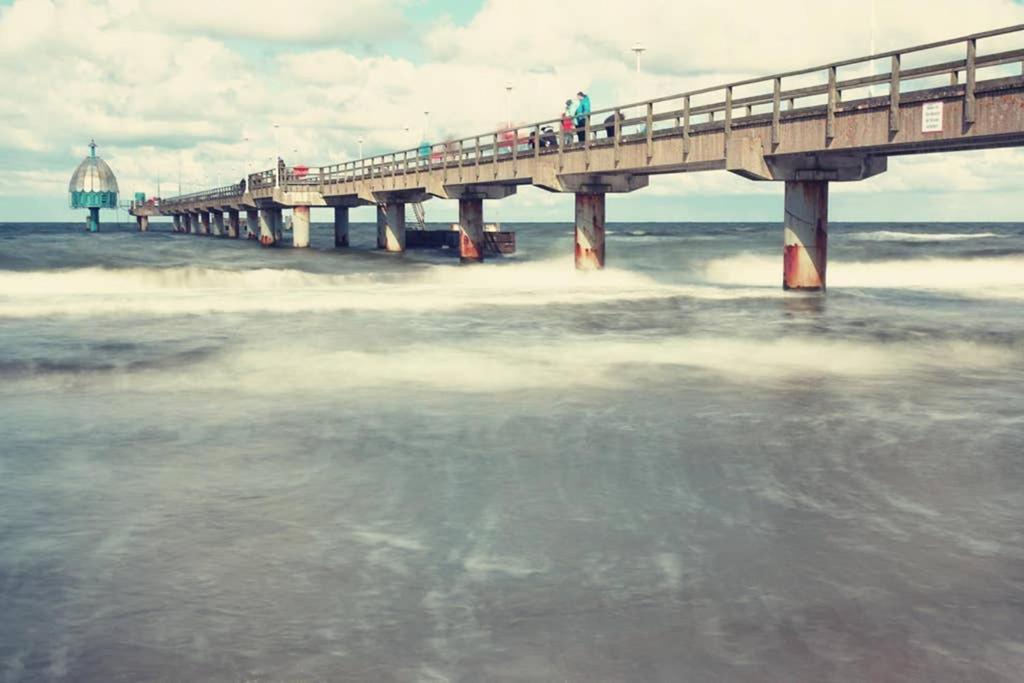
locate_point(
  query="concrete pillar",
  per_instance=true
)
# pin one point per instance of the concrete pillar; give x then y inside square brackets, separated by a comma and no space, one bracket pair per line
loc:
[267,237]
[471,230]
[252,222]
[341,226]
[143,222]
[589,231]
[382,226]
[278,215]
[805,228]
[176,222]
[218,223]
[92,223]
[186,222]
[300,226]
[233,223]
[204,218]
[395,235]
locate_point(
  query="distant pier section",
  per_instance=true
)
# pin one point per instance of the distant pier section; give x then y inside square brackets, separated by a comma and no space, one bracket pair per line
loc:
[806,129]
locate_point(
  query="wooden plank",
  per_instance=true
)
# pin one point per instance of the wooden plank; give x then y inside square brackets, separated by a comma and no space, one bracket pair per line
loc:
[650,130]
[686,127]
[586,140]
[894,95]
[776,110]
[970,104]
[830,112]
[617,136]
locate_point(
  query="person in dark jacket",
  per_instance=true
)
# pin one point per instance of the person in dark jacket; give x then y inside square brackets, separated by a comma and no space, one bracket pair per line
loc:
[609,124]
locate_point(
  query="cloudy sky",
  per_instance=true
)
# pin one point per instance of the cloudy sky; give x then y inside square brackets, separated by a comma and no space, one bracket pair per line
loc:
[192,90]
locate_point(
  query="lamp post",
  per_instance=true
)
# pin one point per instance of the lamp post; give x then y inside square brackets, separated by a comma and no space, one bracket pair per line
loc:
[277,163]
[638,50]
[508,105]
[360,142]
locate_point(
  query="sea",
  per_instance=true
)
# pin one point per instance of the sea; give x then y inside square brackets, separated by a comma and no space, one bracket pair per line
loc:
[220,462]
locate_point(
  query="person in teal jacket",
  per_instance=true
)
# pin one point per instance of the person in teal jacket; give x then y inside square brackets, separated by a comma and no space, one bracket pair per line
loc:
[582,113]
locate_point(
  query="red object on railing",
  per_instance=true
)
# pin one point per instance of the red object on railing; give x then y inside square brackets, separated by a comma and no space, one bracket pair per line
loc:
[300,171]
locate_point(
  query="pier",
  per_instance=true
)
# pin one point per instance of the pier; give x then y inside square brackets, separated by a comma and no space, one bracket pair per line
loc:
[805,129]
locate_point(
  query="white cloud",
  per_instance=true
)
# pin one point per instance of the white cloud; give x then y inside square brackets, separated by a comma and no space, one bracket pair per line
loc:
[162,85]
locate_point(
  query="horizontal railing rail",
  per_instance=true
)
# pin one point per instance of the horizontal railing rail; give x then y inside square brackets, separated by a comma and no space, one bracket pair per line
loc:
[681,114]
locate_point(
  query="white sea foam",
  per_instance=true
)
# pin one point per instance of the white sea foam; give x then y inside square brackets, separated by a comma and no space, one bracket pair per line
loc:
[997,277]
[177,291]
[898,236]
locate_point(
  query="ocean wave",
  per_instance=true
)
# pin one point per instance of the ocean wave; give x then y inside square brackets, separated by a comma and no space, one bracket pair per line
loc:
[999,277]
[192,290]
[565,362]
[897,236]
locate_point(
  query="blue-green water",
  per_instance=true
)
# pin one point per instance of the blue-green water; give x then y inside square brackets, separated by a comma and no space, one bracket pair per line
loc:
[220,462]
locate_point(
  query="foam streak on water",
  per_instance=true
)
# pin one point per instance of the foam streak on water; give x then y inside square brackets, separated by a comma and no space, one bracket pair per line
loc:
[219,462]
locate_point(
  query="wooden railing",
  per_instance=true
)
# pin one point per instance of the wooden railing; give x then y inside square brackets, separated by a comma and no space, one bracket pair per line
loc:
[721,107]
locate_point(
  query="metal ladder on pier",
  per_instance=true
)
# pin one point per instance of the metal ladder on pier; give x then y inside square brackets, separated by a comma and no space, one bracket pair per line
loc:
[421,215]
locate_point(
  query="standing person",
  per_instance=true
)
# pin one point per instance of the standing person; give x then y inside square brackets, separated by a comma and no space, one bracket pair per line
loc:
[568,126]
[582,113]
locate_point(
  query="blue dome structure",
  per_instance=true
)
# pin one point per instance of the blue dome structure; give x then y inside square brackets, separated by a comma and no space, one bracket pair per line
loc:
[94,187]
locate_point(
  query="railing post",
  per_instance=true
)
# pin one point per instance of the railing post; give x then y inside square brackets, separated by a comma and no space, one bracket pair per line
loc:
[650,130]
[515,151]
[462,153]
[686,127]
[494,156]
[969,76]
[894,95]
[617,133]
[830,116]
[776,110]
[536,141]
[728,117]
[478,154]
[561,147]
[586,140]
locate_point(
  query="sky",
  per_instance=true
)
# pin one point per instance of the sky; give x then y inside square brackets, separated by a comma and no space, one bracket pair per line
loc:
[199,92]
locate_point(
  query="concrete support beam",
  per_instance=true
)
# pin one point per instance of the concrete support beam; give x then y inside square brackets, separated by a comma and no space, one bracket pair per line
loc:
[471,230]
[267,234]
[382,226]
[589,231]
[395,232]
[218,223]
[186,222]
[204,219]
[300,227]
[278,218]
[176,223]
[143,222]
[805,251]
[233,223]
[341,226]
[252,223]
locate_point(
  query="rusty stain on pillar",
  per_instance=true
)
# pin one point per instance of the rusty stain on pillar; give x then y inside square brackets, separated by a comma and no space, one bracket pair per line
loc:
[341,226]
[300,227]
[232,223]
[267,238]
[252,223]
[589,231]
[395,234]
[471,230]
[805,250]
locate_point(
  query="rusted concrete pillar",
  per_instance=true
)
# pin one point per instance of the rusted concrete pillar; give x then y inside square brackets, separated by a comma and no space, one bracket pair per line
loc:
[805,250]
[267,237]
[143,222]
[204,219]
[218,223]
[300,226]
[233,223]
[382,226]
[278,217]
[471,230]
[589,231]
[252,222]
[341,226]
[176,223]
[186,222]
[395,233]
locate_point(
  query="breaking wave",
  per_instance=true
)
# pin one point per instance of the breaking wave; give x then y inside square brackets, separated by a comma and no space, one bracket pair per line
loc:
[897,236]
